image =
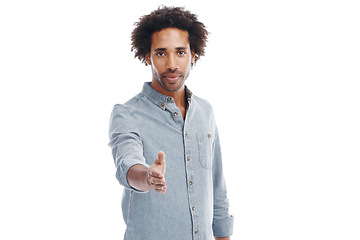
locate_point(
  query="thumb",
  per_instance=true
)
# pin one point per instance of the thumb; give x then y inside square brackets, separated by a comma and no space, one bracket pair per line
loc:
[161,158]
[160,163]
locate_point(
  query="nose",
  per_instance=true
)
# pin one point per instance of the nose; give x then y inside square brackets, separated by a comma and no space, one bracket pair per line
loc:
[171,62]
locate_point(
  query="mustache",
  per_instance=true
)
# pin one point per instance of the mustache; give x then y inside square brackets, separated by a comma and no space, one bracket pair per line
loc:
[171,72]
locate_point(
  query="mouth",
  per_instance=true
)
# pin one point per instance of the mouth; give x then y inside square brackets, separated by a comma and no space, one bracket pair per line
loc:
[172,78]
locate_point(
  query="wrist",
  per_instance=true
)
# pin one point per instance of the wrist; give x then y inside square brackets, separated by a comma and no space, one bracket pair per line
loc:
[137,177]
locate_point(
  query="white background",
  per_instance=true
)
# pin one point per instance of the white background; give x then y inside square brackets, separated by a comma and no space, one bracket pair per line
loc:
[282,76]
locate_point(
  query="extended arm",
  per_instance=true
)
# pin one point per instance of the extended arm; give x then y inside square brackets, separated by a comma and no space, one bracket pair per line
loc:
[127,149]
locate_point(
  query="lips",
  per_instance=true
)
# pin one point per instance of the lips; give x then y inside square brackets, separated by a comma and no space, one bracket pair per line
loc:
[172,77]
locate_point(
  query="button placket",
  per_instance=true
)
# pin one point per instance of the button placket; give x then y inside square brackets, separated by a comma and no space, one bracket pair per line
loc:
[190,178]
[175,112]
[190,182]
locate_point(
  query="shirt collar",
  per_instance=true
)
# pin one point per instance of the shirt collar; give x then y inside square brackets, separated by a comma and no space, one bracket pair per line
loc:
[160,99]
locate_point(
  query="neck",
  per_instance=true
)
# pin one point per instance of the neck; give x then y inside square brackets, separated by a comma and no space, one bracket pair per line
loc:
[178,96]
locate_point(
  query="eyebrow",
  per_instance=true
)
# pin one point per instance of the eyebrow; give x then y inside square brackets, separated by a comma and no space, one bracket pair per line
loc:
[160,49]
[164,49]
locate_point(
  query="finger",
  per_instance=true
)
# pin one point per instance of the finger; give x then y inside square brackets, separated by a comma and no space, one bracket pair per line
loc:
[161,157]
[161,190]
[157,181]
[159,187]
[155,173]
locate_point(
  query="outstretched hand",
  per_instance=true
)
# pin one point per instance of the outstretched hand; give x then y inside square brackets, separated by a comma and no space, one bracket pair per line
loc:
[156,174]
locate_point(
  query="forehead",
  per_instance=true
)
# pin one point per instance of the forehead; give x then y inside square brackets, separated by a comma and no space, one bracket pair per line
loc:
[170,38]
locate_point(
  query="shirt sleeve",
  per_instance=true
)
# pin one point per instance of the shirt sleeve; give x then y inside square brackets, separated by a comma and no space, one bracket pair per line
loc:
[222,221]
[125,142]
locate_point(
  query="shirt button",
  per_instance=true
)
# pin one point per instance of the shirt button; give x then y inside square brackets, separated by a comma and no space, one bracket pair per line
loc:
[196,231]
[186,135]
[193,208]
[175,113]
[209,136]
[188,158]
[162,105]
[169,99]
[190,183]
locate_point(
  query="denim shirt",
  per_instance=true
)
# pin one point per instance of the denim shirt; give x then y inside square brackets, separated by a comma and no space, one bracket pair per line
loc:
[195,205]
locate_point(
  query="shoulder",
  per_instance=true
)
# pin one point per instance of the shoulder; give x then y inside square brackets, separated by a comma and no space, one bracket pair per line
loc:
[127,107]
[134,101]
[202,104]
[201,101]
[123,120]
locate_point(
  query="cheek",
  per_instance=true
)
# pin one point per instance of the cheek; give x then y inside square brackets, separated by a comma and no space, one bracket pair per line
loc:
[188,60]
[154,68]
[186,63]
[152,65]
[159,66]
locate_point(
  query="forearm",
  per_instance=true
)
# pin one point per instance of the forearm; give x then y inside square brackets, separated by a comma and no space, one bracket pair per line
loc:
[222,222]
[137,177]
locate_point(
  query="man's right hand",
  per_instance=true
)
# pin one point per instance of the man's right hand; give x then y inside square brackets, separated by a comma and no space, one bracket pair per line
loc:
[145,179]
[156,174]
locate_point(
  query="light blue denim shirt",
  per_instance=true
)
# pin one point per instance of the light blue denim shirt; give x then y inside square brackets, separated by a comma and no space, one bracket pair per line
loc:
[195,205]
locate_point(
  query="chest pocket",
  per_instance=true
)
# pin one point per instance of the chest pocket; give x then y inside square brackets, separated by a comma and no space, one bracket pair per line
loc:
[205,143]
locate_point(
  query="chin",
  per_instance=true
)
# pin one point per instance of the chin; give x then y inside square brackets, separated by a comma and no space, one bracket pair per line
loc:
[173,87]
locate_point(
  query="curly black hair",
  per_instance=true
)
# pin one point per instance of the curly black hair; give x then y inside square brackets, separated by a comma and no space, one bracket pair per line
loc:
[165,17]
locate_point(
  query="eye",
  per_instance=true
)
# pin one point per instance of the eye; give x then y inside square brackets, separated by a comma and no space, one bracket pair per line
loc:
[160,54]
[181,53]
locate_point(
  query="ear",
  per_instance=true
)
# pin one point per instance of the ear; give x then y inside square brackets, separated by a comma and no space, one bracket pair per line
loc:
[147,59]
[192,57]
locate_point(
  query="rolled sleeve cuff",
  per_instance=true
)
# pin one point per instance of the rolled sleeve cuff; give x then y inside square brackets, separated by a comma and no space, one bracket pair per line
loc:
[123,168]
[223,227]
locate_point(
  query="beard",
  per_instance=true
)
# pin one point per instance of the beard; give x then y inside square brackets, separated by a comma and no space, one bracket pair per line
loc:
[170,86]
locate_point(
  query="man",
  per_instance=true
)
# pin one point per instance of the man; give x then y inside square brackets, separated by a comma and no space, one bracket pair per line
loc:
[165,141]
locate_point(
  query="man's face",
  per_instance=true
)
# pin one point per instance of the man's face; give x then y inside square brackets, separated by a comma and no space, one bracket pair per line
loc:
[170,58]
